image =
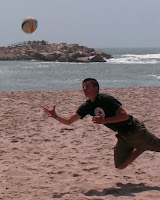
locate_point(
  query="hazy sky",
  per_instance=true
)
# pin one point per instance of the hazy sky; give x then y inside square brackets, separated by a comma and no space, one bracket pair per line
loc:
[93,23]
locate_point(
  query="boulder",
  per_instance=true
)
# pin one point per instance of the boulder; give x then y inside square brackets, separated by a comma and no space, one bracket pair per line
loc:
[96,58]
[82,59]
[38,56]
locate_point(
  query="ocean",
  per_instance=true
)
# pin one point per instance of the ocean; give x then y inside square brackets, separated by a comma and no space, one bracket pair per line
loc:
[129,67]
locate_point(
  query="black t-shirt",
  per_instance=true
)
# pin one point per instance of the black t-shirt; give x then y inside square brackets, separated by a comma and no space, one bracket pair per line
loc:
[106,106]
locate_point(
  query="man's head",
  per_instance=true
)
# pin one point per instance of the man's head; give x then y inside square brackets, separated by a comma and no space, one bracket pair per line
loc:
[90,87]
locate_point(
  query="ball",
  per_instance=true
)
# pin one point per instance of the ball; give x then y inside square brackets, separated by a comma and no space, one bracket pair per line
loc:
[29,24]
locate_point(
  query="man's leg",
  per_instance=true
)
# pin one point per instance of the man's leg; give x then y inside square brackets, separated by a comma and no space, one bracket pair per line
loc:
[134,155]
[122,152]
[141,140]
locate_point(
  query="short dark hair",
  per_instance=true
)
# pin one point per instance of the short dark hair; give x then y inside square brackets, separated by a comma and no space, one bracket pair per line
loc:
[93,81]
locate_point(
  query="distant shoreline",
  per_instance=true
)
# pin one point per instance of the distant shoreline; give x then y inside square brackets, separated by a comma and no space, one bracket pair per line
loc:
[80,90]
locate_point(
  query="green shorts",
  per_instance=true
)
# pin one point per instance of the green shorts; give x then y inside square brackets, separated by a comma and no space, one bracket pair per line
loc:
[138,137]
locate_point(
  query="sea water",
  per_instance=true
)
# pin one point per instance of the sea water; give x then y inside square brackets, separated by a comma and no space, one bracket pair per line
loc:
[129,67]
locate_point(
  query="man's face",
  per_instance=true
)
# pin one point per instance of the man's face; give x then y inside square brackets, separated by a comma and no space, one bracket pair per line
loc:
[89,90]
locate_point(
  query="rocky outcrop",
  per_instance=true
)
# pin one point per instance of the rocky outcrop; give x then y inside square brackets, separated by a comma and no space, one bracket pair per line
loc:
[53,52]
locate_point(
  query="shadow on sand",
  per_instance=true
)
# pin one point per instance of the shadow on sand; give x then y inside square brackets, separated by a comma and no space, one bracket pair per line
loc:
[122,190]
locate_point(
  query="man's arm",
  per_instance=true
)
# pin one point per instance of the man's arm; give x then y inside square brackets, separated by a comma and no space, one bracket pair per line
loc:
[64,120]
[68,120]
[120,116]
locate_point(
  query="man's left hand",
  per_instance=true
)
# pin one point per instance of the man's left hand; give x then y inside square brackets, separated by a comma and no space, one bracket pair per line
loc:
[98,119]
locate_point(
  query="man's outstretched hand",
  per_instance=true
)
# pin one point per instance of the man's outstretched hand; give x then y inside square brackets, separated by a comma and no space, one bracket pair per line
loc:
[51,113]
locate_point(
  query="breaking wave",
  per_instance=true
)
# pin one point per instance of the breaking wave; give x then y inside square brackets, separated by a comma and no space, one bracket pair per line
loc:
[136,59]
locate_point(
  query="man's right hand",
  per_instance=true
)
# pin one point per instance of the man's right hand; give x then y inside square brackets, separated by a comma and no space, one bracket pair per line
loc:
[51,113]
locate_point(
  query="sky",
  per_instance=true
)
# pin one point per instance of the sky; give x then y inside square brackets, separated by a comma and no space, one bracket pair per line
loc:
[92,23]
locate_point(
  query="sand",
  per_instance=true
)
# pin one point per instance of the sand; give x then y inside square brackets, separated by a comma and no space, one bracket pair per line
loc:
[41,159]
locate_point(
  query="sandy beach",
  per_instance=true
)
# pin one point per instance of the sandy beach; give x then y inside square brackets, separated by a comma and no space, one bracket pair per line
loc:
[41,159]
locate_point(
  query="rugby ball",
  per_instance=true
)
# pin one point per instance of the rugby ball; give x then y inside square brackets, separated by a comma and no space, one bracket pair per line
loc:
[29,24]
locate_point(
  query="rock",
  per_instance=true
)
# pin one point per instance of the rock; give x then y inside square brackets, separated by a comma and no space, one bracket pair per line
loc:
[97,58]
[52,52]
[75,55]
[37,56]
[82,59]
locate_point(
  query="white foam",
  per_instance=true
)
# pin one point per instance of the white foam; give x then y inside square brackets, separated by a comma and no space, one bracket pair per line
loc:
[146,56]
[157,77]
[136,59]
